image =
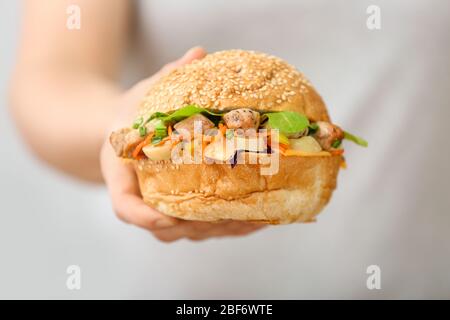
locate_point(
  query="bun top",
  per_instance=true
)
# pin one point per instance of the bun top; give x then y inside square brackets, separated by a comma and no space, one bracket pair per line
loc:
[232,79]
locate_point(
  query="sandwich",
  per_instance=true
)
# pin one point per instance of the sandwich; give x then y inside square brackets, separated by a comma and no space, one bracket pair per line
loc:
[207,133]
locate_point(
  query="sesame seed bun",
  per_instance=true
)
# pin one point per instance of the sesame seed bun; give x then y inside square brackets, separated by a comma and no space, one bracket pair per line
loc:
[212,192]
[235,79]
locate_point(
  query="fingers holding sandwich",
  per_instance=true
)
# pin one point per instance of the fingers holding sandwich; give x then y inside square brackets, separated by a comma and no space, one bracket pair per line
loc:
[192,54]
[122,184]
[120,178]
[127,107]
[127,203]
[198,231]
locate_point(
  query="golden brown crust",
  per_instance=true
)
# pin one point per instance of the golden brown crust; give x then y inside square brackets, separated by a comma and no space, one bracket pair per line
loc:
[212,192]
[300,189]
[234,79]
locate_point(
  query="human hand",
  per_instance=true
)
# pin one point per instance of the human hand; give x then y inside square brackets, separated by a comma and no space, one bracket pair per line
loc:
[123,186]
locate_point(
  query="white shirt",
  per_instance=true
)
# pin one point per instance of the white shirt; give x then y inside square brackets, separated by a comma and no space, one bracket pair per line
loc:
[391,207]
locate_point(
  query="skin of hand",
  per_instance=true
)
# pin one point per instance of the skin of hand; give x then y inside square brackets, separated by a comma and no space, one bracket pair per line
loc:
[64,94]
[123,187]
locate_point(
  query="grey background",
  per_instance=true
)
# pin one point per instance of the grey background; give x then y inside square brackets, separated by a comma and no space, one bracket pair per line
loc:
[49,221]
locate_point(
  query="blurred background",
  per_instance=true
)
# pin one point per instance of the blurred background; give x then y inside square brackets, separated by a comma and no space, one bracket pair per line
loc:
[391,208]
[47,221]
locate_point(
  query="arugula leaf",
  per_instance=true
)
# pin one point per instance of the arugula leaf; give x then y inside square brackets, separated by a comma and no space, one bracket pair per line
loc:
[156,140]
[287,122]
[313,127]
[137,123]
[142,131]
[182,114]
[160,128]
[157,115]
[336,143]
[355,139]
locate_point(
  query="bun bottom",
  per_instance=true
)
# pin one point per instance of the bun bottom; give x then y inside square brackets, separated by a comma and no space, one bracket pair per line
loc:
[215,192]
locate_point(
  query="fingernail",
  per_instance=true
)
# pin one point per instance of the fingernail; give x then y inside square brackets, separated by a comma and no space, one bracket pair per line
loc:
[192,50]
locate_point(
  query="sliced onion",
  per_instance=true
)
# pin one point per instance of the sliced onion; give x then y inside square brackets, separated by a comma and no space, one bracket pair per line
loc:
[220,150]
[158,153]
[305,144]
[251,144]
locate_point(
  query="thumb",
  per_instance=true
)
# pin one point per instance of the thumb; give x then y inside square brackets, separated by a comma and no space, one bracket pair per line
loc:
[190,55]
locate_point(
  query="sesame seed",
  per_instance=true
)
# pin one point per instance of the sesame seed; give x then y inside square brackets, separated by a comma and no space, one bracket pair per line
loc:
[226,75]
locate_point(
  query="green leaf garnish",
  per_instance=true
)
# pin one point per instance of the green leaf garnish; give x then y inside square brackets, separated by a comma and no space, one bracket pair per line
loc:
[156,140]
[157,115]
[287,122]
[182,114]
[313,127]
[336,143]
[137,123]
[160,128]
[142,131]
[355,139]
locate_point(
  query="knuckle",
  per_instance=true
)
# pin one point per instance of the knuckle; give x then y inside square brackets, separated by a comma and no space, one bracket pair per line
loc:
[196,238]
[120,215]
[164,237]
[245,232]
[155,223]
[152,224]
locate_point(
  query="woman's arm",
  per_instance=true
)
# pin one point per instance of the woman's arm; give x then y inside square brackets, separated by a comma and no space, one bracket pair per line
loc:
[65,99]
[64,87]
